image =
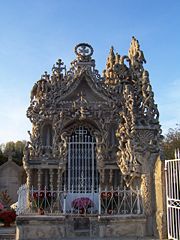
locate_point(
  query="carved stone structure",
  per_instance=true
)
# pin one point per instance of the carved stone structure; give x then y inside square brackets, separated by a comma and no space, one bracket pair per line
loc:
[116,111]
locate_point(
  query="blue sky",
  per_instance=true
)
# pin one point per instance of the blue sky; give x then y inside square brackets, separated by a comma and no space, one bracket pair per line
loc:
[35,33]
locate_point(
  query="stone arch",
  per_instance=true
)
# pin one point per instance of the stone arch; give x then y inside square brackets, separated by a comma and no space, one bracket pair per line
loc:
[81,173]
[70,127]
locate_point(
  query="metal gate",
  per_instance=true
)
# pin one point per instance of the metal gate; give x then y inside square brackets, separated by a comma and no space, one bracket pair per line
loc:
[82,174]
[172,175]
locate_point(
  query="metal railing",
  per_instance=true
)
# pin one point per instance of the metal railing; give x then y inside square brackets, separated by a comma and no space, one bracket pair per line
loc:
[105,202]
[172,175]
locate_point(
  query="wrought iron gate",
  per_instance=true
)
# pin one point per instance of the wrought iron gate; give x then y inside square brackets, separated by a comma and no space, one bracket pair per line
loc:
[82,174]
[172,174]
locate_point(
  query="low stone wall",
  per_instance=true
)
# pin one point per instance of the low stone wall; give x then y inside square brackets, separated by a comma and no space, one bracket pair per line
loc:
[57,227]
[122,226]
[40,227]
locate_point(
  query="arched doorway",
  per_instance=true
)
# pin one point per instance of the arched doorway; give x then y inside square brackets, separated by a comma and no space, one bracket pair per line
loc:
[82,177]
[81,173]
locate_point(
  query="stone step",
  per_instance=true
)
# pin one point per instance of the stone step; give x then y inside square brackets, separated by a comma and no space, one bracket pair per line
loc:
[7,233]
[7,236]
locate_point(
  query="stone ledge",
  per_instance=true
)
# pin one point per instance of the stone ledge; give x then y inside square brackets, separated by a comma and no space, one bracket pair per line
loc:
[114,226]
[122,217]
[57,227]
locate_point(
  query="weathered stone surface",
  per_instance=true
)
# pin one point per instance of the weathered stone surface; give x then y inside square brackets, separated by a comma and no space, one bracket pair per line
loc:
[40,227]
[55,227]
[161,217]
[118,109]
[11,178]
[122,226]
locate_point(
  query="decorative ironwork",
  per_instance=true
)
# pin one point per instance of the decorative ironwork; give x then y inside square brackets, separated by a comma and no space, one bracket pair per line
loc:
[106,202]
[172,174]
[82,175]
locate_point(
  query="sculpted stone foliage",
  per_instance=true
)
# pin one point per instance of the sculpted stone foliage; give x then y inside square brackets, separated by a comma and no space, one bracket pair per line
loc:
[123,95]
[146,193]
[92,131]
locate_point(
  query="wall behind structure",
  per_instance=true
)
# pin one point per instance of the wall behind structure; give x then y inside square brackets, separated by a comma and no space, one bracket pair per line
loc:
[12,177]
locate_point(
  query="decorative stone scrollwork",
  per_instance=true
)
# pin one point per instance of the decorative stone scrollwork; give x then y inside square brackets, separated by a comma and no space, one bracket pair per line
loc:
[80,106]
[118,112]
[84,51]
[136,56]
[63,147]
[40,89]
[123,95]
[116,70]
[146,193]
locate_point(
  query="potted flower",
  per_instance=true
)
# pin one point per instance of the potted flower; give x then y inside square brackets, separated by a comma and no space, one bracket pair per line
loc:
[1,206]
[7,216]
[82,204]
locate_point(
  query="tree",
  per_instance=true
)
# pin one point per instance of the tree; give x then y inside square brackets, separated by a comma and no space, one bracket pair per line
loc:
[171,142]
[15,149]
[3,158]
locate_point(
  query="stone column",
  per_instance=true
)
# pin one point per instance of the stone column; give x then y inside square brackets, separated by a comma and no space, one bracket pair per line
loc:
[110,176]
[160,198]
[46,178]
[146,193]
[51,173]
[39,178]
[59,179]
[29,183]
[102,175]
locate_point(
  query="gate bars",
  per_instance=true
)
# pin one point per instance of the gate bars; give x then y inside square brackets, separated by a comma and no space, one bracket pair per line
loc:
[172,176]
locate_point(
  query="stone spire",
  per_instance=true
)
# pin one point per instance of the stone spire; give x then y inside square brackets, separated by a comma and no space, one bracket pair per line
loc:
[135,55]
[111,59]
[108,73]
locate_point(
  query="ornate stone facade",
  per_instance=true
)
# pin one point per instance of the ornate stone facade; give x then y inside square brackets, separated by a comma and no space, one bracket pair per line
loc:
[117,108]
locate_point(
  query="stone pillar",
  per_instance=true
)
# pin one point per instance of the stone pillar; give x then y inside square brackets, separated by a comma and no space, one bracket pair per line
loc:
[39,178]
[59,179]
[46,178]
[146,193]
[102,175]
[29,184]
[160,198]
[51,173]
[110,176]
[29,179]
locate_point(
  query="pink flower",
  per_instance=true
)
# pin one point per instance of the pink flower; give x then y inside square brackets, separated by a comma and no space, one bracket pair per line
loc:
[1,206]
[82,202]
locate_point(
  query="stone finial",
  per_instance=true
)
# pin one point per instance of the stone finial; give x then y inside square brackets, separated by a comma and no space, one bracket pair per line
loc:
[84,52]
[135,55]
[45,76]
[111,59]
